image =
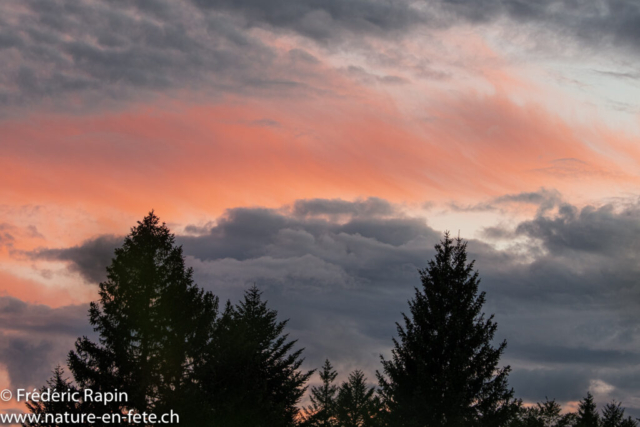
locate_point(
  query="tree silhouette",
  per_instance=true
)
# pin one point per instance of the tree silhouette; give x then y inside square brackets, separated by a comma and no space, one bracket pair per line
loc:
[153,322]
[587,413]
[613,416]
[252,378]
[357,404]
[321,412]
[444,370]
[546,414]
[61,384]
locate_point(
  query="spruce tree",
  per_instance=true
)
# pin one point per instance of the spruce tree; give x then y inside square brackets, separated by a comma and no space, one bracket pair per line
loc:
[587,413]
[153,324]
[321,412]
[357,404]
[613,416]
[444,370]
[253,376]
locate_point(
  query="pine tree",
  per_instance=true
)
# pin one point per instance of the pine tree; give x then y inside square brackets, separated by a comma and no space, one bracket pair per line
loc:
[153,323]
[357,405]
[587,413]
[444,370]
[253,377]
[321,412]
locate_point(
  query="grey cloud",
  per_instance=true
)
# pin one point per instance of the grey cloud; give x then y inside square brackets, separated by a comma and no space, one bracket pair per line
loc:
[574,355]
[612,23]
[27,360]
[323,20]
[113,51]
[19,316]
[567,310]
[372,206]
[599,230]
[35,338]
[89,258]
[545,200]
[566,301]
[534,385]
[110,52]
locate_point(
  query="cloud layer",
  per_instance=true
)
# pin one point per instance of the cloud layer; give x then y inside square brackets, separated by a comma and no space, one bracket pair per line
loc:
[565,296]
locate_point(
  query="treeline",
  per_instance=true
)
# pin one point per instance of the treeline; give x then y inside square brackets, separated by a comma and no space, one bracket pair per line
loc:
[356,404]
[171,347]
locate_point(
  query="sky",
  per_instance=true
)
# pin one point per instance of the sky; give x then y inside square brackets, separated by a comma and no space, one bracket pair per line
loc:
[320,148]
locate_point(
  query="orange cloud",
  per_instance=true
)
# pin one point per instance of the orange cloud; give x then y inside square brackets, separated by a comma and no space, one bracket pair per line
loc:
[410,143]
[34,292]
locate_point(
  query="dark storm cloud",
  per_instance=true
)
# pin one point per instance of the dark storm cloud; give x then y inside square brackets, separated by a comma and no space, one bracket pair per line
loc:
[565,296]
[89,258]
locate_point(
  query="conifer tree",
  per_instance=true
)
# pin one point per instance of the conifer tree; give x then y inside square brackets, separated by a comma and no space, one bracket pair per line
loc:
[253,376]
[444,370]
[357,404]
[321,412]
[613,416]
[153,324]
[546,414]
[59,383]
[587,413]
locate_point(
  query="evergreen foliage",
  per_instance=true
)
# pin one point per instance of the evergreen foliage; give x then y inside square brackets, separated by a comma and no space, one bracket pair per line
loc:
[357,404]
[588,413]
[153,322]
[321,412]
[253,378]
[61,384]
[613,416]
[444,371]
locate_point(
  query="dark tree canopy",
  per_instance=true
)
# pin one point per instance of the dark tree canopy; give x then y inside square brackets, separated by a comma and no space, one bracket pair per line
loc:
[444,370]
[546,414]
[321,412]
[253,378]
[613,416]
[588,413]
[163,341]
[357,404]
[153,323]
[57,382]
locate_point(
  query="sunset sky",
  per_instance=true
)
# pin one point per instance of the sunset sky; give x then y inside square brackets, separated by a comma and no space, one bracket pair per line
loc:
[319,148]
